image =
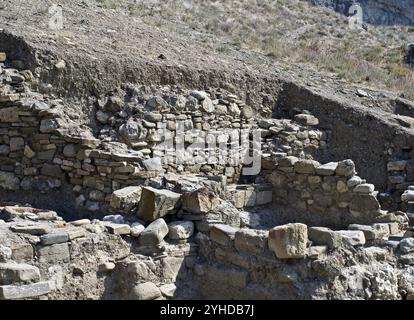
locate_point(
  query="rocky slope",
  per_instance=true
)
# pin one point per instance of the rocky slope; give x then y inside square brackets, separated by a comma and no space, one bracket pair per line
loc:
[380,12]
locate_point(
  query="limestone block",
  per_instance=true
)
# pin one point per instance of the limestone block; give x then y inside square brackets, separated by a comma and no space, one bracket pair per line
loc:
[156,203]
[289,241]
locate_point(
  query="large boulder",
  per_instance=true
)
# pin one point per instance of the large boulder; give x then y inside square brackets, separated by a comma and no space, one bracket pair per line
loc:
[200,201]
[156,203]
[289,241]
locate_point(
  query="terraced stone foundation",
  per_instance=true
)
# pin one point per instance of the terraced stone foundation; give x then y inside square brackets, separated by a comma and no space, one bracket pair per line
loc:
[131,205]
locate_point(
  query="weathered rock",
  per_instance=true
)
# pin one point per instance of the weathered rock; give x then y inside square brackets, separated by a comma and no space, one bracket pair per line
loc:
[70,150]
[407,196]
[48,125]
[54,253]
[16,143]
[116,219]
[223,234]
[114,104]
[200,201]
[251,241]
[145,291]
[351,237]
[153,164]
[324,236]
[346,168]
[180,230]
[126,199]
[106,267]
[199,95]
[156,203]
[12,272]
[327,169]
[289,241]
[9,181]
[306,166]
[156,103]
[54,237]
[25,291]
[207,105]
[102,117]
[288,161]
[117,228]
[364,188]
[154,234]
[306,119]
[5,253]
[136,229]
[81,222]
[407,245]
[396,165]
[34,229]
[168,290]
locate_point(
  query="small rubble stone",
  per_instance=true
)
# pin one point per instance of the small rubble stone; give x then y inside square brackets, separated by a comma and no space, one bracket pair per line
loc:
[136,229]
[116,219]
[168,290]
[155,233]
[145,291]
[106,267]
[81,222]
[407,245]
[289,241]
[351,237]
[324,236]
[306,119]
[153,164]
[119,229]
[5,253]
[306,166]
[180,230]
[346,168]
[364,188]
[315,252]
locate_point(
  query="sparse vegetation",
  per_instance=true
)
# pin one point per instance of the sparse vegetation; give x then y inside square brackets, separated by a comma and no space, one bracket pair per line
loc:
[292,32]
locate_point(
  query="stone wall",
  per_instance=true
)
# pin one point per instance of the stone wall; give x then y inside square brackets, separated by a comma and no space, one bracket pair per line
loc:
[329,194]
[383,136]
[43,150]
[295,262]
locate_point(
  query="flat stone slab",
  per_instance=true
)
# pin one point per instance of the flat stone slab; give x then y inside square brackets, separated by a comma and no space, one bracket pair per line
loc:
[35,229]
[327,169]
[54,237]
[119,229]
[24,291]
[11,272]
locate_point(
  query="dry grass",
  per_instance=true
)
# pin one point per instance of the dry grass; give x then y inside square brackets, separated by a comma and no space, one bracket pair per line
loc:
[293,32]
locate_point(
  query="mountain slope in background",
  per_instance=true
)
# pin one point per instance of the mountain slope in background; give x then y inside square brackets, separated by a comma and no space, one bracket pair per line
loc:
[378,12]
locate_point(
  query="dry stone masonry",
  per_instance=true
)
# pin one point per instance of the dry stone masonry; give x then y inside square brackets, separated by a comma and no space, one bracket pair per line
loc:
[121,207]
